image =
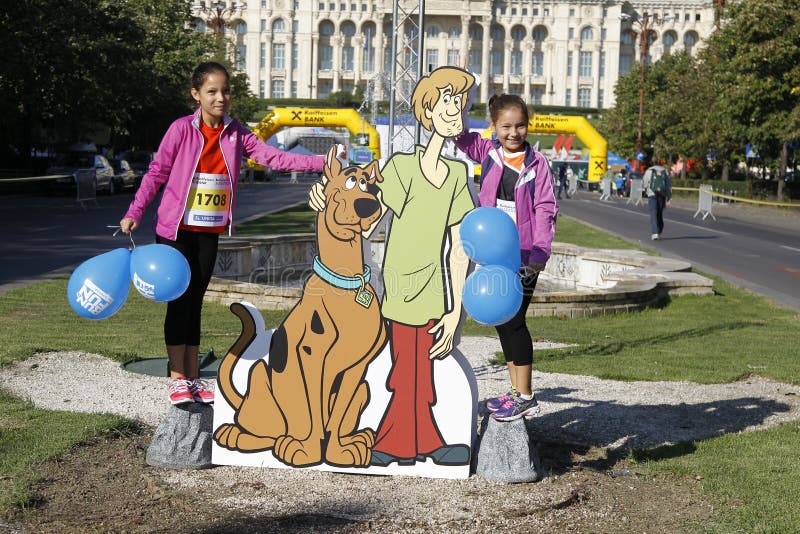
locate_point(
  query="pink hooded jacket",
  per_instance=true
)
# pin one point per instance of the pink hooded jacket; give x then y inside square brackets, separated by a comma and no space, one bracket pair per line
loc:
[176,160]
[534,200]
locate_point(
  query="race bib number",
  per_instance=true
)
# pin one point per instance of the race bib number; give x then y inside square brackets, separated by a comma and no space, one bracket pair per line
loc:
[208,204]
[509,207]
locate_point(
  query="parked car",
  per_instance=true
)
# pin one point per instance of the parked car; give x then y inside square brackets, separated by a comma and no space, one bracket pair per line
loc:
[139,160]
[69,163]
[124,175]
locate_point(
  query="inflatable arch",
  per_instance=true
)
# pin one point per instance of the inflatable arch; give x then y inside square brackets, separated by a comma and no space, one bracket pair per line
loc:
[568,124]
[344,117]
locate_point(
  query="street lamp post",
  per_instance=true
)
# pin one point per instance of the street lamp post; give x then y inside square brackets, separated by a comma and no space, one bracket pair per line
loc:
[219,15]
[644,23]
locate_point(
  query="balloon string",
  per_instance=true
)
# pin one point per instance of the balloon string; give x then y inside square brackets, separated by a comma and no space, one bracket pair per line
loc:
[118,230]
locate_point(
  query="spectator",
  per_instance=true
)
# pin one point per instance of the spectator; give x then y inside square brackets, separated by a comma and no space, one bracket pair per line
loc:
[658,186]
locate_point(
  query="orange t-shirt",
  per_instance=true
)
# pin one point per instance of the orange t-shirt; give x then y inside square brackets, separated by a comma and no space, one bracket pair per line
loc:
[208,204]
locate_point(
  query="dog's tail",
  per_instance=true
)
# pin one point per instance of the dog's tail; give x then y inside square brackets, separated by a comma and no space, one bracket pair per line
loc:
[225,374]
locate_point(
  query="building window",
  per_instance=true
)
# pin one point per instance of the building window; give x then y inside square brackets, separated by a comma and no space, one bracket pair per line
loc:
[600,102]
[326,28]
[476,33]
[584,97]
[325,57]
[278,26]
[433,31]
[537,93]
[295,26]
[539,34]
[517,33]
[537,63]
[571,34]
[348,29]
[568,97]
[431,59]
[263,25]
[475,57]
[368,62]
[569,63]
[278,56]
[295,53]
[294,90]
[497,33]
[452,57]
[241,28]
[495,62]
[261,89]
[454,32]
[572,12]
[347,57]
[387,59]
[262,56]
[516,62]
[325,88]
[322,6]
[277,89]
[669,42]
[602,65]
[603,34]
[587,34]
[241,56]
[585,64]
[263,4]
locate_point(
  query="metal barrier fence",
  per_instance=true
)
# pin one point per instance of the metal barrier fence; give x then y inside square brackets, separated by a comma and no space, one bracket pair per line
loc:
[605,189]
[86,186]
[636,192]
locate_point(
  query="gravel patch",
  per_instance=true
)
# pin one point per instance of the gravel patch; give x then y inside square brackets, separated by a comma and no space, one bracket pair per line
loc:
[577,411]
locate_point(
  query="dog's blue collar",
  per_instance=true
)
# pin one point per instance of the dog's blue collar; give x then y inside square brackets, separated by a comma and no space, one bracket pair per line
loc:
[337,280]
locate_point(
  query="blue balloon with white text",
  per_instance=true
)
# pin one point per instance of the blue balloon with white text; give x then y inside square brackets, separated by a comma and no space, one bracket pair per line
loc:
[99,286]
[492,294]
[490,237]
[159,272]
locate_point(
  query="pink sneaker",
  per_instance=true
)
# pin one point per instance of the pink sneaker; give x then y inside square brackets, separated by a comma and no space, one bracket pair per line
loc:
[179,391]
[200,391]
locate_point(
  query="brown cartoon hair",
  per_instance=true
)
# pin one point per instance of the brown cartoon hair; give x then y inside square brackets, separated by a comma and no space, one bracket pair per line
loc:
[426,93]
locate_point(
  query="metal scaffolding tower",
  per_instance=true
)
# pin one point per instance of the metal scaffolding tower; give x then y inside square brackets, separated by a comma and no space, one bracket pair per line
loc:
[408,32]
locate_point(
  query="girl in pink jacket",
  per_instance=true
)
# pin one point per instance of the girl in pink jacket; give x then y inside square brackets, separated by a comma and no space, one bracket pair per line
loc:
[198,164]
[517,179]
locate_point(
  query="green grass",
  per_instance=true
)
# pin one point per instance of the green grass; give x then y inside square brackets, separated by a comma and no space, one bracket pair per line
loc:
[295,220]
[29,437]
[752,476]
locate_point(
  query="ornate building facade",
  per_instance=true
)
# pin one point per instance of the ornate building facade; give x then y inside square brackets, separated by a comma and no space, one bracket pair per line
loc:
[565,53]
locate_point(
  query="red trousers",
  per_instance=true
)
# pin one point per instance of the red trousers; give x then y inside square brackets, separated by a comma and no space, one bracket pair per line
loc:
[407,428]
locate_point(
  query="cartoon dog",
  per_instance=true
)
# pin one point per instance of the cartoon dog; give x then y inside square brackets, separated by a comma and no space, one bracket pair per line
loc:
[304,403]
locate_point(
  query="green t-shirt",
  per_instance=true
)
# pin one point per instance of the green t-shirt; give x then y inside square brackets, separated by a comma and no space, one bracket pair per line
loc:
[412,268]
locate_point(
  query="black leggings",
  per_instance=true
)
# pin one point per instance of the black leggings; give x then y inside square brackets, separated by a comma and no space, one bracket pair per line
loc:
[515,338]
[182,322]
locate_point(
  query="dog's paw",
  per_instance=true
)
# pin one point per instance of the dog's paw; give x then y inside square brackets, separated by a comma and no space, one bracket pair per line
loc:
[298,453]
[354,450]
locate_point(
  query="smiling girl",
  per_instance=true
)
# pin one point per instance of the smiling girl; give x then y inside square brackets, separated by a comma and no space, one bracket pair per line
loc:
[198,163]
[517,179]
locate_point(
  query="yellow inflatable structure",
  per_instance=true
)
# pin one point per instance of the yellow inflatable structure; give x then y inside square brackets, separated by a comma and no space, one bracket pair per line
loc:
[343,117]
[579,126]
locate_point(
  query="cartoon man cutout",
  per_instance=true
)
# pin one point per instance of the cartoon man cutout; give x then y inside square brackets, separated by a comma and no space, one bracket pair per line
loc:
[429,196]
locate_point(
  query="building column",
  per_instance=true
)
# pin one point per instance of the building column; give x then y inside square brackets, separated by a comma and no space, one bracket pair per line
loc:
[486,46]
[464,45]
[268,69]
[549,75]
[596,50]
[287,90]
[507,49]
[336,41]
[358,54]
[313,88]
[527,73]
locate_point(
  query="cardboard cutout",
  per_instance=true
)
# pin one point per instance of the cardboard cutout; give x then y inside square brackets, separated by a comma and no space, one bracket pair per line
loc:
[330,392]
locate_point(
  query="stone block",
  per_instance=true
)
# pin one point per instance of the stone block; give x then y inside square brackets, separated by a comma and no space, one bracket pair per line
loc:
[507,454]
[183,439]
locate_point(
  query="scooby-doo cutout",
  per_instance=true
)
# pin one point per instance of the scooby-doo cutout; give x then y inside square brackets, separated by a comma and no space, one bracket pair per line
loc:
[410,408]
[304,402]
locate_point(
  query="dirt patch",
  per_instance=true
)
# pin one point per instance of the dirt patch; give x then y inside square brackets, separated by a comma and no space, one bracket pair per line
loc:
[107,486]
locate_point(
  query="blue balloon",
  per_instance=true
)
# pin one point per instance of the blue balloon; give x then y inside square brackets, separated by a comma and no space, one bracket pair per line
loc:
[490,237]
[99,286]
[159,272]
[492,294]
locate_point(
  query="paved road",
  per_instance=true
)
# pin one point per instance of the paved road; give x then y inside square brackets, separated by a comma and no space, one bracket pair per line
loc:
[46,236]
[757,248]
